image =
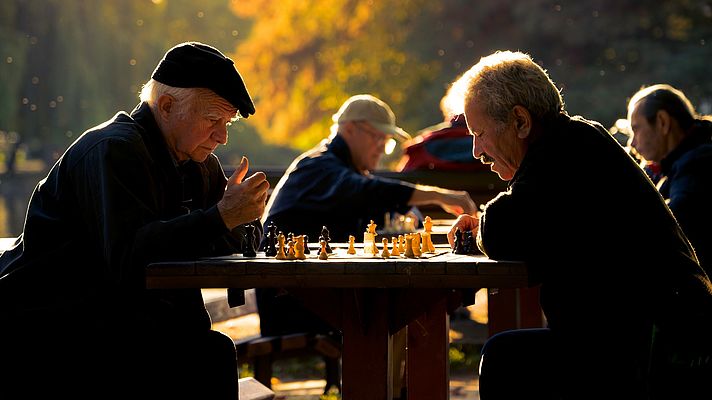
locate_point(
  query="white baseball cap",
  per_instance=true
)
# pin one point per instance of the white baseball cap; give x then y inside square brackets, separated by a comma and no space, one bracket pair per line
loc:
[365,107]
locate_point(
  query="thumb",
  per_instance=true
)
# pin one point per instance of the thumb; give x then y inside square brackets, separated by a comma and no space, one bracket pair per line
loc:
[241,170]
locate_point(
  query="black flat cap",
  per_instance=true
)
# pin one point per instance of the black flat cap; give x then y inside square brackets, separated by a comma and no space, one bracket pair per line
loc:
[197,65]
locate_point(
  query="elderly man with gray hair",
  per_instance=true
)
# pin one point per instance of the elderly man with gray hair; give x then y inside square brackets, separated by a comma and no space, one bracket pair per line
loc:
[627,304]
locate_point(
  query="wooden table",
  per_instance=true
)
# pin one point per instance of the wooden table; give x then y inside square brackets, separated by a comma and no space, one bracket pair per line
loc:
[369,299]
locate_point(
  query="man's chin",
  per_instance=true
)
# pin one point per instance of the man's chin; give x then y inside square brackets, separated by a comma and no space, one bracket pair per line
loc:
[503,175]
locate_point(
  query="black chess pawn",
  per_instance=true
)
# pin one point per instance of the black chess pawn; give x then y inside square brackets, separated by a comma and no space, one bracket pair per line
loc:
[271,242]
[249,249]
[325,237]
[459,245]
[306,245]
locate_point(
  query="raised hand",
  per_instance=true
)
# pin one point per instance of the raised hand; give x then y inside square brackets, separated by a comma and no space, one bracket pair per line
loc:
[244,199]
[465,222]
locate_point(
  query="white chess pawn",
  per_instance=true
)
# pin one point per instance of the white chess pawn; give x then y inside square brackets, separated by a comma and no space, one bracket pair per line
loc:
[385,253]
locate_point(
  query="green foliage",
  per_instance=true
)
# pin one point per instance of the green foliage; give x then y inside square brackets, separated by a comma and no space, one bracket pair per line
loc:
[464,356]
[331,394]
[407,52]
[67,65]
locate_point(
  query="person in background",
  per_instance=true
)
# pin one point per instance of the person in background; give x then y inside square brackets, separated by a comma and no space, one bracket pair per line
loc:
[331,185]
[621,288]
[668,132]
[622,133]
[77,319]
[441,147]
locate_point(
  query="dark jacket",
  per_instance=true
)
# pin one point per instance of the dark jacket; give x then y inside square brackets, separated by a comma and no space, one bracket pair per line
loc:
[687,187]
[115,201]
[597,236]
[323,188]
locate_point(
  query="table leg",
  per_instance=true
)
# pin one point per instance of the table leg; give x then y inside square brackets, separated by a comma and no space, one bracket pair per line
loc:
[366,366]
[427,365]
[514,308]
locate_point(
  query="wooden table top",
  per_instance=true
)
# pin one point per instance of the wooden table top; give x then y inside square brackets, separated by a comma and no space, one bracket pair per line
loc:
[441,269]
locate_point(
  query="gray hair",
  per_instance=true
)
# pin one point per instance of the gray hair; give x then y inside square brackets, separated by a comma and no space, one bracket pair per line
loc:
[505,79]
[186,99]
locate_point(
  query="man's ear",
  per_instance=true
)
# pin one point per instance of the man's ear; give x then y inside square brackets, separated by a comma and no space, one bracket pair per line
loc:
[347,129]
[522,121]
[165,104]
[663,122]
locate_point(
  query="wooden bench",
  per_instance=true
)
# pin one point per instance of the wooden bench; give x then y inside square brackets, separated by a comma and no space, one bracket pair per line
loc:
[262,351]
[251,389]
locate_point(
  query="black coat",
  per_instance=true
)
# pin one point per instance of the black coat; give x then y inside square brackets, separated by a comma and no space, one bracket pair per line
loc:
[597,235]
[112,203]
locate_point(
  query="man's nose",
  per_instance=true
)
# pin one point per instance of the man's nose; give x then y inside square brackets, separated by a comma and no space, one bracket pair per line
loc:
[220,135]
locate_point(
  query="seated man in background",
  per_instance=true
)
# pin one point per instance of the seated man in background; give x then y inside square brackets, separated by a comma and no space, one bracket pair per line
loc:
[77,319]
[332,185]
[668,131]
[626,301]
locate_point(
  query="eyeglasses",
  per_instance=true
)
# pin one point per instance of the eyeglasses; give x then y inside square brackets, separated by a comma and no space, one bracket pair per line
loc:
[378,137]
[381,139]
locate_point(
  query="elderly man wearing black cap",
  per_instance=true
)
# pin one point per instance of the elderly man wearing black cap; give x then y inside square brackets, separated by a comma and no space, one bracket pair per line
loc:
[144,186]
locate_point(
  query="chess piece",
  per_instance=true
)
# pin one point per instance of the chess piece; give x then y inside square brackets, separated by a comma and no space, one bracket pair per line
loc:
[351,249]
[369,240]
[409,246]
[401,244]
[325,237]
[299,248]
[323,253]
[290,250]
[468,243]
[249,249]
[396,251]
[372,228]
[385,253]
[280,247]
[458,246]
[428,224]
[417,252]
[428,246]
[271,245]
[306,245]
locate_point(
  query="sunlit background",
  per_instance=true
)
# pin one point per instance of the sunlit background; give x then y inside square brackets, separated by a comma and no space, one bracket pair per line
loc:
[67,65]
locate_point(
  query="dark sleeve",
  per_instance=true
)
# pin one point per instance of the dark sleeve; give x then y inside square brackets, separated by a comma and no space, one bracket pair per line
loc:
[343,188]
[504,232]
[690,191]
[123,203]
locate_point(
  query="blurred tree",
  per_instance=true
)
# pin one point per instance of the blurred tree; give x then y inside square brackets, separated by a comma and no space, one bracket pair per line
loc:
[69,64]
[310,55]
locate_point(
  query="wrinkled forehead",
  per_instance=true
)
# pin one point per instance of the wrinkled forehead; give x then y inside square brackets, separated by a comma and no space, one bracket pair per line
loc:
[215,106]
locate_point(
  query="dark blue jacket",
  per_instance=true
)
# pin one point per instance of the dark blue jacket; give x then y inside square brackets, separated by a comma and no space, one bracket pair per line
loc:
[323,188]
[687,187]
